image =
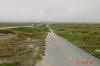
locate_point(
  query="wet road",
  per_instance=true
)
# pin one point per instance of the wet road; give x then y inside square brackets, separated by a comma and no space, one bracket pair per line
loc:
[60,52]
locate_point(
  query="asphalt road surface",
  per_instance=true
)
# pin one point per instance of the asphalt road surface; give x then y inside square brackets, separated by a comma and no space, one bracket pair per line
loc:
[60,52]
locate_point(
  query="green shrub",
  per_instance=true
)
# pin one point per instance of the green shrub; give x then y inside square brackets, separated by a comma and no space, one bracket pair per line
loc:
[5,31]
[32,30]
[9,64]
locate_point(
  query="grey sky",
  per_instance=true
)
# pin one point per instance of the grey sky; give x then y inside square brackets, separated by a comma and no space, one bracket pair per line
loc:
[50,10]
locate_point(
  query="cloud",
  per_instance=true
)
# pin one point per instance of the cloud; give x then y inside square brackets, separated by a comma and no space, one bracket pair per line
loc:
[50,10]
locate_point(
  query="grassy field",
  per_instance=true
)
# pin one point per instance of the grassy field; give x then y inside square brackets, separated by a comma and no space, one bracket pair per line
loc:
[14,24]
[85,36]
[22,46]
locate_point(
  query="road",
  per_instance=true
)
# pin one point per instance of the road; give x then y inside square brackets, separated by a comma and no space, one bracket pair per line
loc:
[60,52]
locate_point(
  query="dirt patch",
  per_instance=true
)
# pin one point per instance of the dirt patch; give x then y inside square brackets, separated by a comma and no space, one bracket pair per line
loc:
[39,63]
[97,50]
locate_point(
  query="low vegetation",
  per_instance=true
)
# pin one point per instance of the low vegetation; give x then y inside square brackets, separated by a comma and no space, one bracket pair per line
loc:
[85,36]
[22,46]
[5,31]
[9,64]
[14,24]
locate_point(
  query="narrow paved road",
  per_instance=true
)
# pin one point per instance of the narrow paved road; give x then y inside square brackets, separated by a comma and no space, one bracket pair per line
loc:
[60,52]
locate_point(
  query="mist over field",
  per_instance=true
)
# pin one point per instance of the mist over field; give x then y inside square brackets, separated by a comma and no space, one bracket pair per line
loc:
[50,11]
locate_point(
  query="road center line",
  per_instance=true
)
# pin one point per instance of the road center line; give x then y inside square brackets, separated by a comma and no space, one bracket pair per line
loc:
[70,57]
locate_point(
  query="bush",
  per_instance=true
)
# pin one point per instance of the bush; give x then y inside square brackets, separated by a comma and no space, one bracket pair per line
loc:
[5,31]
[9,64]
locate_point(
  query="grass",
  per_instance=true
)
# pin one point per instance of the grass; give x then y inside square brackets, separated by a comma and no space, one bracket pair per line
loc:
[35,32]
[5,31]
[14,24]
[24,45]
[85,36]
[9,64]
[42,28]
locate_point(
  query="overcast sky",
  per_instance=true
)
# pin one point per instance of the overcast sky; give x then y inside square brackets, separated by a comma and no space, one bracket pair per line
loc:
[50,10]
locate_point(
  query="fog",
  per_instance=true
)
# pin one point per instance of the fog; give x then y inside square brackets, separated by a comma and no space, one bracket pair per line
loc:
[50,11]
